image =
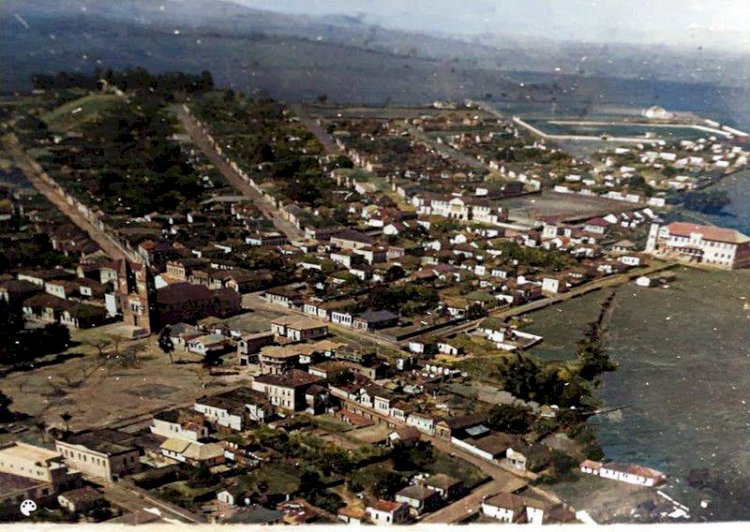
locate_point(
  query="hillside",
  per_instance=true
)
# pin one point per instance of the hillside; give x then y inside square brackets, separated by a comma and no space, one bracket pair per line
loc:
[78,112]
[300,58]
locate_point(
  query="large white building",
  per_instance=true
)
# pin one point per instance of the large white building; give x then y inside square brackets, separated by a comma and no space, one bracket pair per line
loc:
[703,244]
[468,208]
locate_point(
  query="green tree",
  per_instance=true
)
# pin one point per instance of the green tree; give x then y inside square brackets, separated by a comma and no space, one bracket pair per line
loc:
[5,413]
[394,273]
[564,466]
[199,476]
[387,486]
[412,457]
[342,161]
[165,343]
[66,417]
[512,419]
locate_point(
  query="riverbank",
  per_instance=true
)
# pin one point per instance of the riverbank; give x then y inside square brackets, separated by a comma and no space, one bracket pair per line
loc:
[684,366]
[736,215]
[684,371]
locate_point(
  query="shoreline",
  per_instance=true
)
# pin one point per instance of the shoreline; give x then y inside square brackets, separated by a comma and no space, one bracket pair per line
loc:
[667,427]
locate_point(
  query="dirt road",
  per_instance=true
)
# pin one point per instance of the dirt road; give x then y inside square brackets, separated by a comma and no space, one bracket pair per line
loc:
[606,282]
[42,182]
[134,499]
[462,508]
[255,301]
[203,143]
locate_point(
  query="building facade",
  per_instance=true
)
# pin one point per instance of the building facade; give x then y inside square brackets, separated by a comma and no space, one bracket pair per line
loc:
[712,246]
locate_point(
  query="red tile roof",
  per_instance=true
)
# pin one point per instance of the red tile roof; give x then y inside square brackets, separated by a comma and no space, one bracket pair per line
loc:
[386,506]
[708,232]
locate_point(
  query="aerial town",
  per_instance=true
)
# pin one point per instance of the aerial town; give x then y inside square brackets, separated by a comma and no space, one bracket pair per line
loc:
[219,308]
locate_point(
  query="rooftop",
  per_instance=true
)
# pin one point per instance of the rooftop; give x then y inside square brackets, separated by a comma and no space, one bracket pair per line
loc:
[291,379]
[84,494]
[31,453]
[10,483]
[442,481]
[416,492]
[386,506]
[507,501]
[105,441]
[708,232]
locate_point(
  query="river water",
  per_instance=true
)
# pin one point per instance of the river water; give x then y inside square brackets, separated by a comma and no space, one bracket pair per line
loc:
[684,351]
[684,355]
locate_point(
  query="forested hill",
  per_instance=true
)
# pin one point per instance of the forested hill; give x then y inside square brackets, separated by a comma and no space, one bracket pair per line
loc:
[296,57]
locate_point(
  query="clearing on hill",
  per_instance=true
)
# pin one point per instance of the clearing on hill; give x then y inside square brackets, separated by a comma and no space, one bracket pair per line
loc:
[80,111]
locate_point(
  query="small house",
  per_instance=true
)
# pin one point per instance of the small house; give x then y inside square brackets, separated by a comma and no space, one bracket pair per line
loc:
[420,499]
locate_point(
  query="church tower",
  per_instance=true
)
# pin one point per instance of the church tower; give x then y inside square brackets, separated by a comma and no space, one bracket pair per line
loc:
[137,296]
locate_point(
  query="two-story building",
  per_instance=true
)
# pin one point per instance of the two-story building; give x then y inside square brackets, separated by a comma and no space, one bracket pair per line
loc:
[286,390]
[298,329]
[103,453]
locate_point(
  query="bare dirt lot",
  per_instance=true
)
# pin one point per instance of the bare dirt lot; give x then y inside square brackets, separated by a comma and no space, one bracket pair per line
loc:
[565,206]
[97,391]
[605,500]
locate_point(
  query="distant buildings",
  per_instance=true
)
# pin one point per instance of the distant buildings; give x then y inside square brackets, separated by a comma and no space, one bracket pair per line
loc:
[190,302]
[657,113]
[703,244]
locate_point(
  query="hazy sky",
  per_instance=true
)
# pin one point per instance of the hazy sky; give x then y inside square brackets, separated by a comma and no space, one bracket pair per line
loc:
[687,22]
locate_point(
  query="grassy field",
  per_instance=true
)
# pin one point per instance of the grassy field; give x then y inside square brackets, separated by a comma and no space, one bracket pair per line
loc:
[683,375]
[620,129]
[279,478]
[78,112]
[563,325]
[468,473]
[330,423]
[605,500]
[182,494]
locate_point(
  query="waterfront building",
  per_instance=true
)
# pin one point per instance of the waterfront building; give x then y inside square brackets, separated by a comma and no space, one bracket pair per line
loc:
[713,246]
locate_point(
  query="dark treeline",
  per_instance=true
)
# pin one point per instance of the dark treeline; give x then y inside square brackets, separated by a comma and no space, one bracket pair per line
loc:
[707,202]
[126,80]
[24,345]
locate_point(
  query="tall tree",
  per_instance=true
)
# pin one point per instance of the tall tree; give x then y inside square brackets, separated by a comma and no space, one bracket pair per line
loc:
[165,343]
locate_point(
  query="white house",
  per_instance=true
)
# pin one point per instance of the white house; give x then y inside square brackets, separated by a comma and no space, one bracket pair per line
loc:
[179,423]
[510,508]
[709,245]
[422,422]
[553,285]
[387,512]
[629,473]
